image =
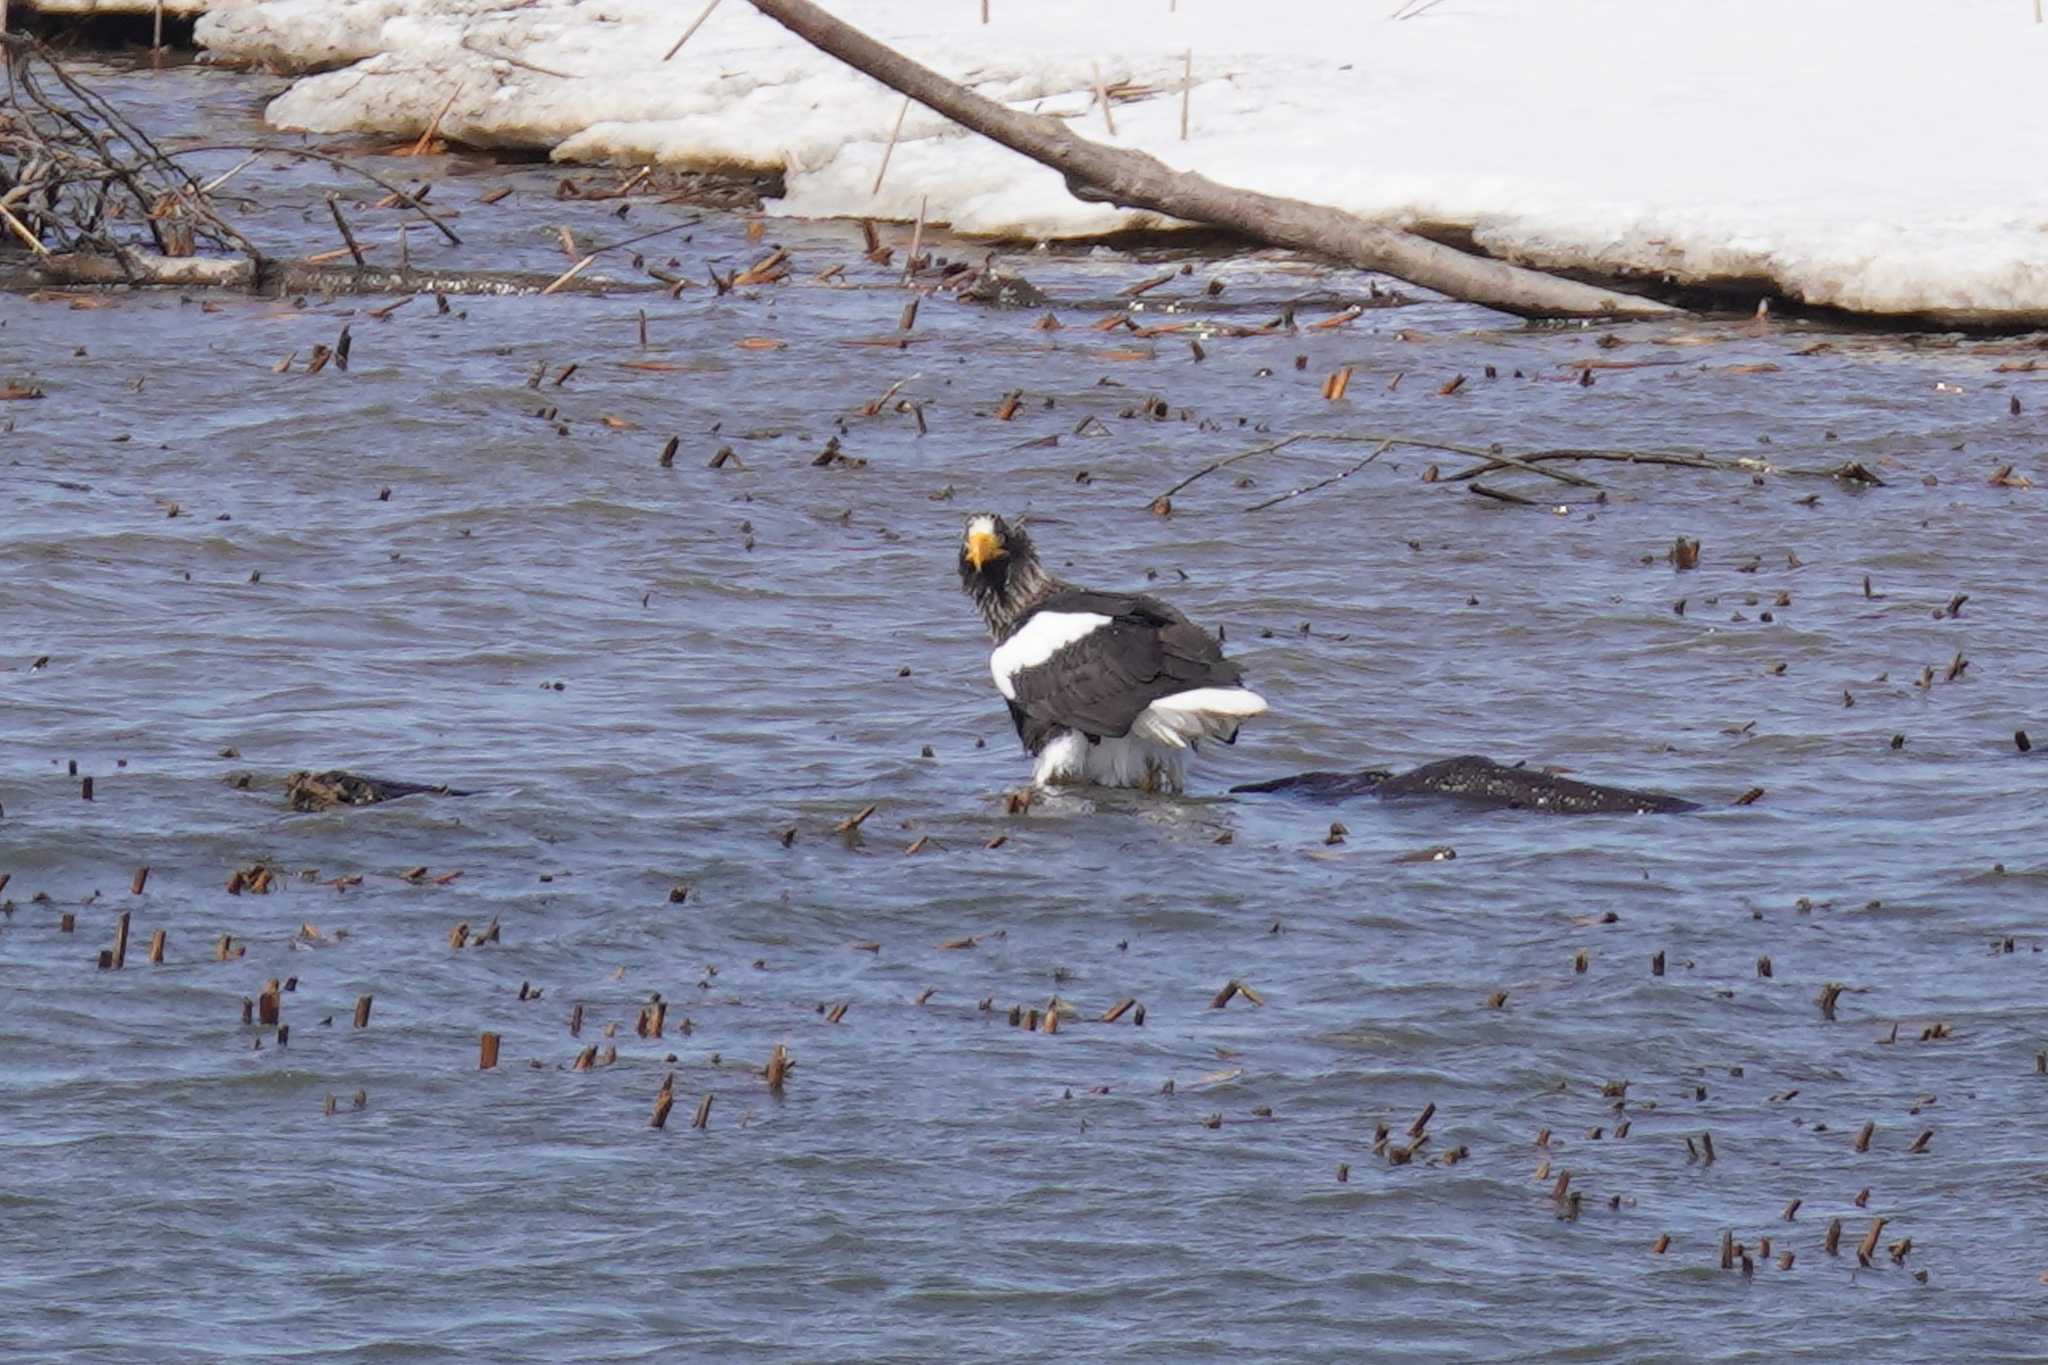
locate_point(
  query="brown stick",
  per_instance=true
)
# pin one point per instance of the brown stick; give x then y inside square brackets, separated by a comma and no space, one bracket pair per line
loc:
[916,240]
[156,948]
[141,878]
[334,207]
[1100,174]
[487,1052]
[434,126]
[703,1118]
[363,1010]
[890,150]
[1187,89]
[695,24]
[121,940]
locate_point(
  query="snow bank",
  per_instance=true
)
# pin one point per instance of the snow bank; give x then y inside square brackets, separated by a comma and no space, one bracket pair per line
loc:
[75,8]
[1881,156]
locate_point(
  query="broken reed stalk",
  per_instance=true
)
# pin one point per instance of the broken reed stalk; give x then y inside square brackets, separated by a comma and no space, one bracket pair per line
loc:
[121,940]
[1187,89]
[141,880]
[487,1052]
[156,948]
[1102,94]
[363,1011]
[426,141]
[890,150]
[404,196]
[916,240]
[1101,174]
[695,24]
[334,207]
[571,273]
[664,1100]
[1422,1122]
[703,1117]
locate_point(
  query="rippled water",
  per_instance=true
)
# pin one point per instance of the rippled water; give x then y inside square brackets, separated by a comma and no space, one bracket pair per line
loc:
[651,677]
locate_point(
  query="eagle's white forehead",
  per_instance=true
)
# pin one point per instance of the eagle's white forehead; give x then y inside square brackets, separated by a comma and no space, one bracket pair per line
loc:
[983,525]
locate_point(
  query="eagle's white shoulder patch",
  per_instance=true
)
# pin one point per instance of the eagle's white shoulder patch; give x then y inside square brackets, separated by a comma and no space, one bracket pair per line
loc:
[1044,635]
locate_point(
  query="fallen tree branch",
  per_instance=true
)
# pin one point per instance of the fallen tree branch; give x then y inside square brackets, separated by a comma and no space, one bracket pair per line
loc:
[1496,458]
[1498,496]
[1099,174]
[402,195]
[1381,449]
[269,276]
[1496,462]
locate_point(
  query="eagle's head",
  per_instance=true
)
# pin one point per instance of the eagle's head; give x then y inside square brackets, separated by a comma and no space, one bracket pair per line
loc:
[999,569]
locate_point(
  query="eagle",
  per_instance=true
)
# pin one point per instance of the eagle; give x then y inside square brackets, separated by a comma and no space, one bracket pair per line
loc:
[1106,688]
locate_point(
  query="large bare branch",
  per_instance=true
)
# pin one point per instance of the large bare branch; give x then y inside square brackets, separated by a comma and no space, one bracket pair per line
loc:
[1131,179]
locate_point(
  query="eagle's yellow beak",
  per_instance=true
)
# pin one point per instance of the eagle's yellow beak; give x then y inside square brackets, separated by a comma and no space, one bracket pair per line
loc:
[983,547]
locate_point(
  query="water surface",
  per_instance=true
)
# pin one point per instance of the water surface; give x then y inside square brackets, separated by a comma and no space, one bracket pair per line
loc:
[656,678]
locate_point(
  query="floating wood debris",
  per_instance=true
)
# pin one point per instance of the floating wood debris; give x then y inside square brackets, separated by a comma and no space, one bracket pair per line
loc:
[664,1100]
[487,1051]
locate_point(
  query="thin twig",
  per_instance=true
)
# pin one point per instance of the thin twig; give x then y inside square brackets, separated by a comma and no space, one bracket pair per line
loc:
[567,275]
[334,207]
[434,126]
[1381,449]
[916,241]
[404,197]
[695,24]
[1508,461]
[1231,460]
[890,150]
[210,186]
[496,56]
[1495,462]
[34,243]
[1187,90]
[1102,93]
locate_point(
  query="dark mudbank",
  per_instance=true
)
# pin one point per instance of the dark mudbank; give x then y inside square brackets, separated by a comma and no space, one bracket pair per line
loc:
[1480,781]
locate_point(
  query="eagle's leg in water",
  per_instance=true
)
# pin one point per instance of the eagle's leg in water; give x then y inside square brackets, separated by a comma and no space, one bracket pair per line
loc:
[1481,781]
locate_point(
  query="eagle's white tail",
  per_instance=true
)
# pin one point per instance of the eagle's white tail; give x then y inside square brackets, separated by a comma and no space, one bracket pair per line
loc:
[1198,714]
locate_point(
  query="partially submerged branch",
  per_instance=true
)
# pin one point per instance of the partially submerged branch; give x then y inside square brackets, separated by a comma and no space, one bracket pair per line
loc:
[269,276]
[1493,460]
[1101,174]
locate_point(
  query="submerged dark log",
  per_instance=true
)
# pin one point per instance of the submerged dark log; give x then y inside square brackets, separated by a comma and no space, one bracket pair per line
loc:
[1480,781]
[323,791]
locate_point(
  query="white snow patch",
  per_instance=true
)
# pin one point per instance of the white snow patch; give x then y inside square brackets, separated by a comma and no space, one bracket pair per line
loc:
[1875,155]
